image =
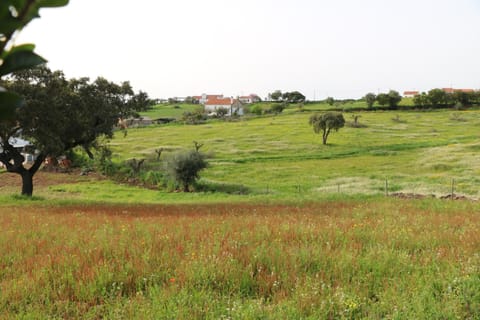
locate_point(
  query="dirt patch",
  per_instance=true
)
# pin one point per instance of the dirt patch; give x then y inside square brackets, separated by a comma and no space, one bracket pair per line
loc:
[43,179]
[402,195]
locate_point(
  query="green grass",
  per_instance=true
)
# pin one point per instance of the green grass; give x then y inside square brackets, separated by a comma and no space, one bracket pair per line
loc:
[170,110]
[283,227]
[416,151]
[335,259]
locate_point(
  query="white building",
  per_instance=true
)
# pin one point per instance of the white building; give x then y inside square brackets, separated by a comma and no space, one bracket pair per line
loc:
[233,106]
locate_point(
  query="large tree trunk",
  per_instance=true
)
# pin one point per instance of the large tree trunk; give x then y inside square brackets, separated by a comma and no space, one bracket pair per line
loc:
[27,183]
[13,160]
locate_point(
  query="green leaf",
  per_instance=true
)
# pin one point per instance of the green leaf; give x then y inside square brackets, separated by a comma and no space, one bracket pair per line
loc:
[19,60]
[23,47]
[9,102]
[9,24]
[51,3]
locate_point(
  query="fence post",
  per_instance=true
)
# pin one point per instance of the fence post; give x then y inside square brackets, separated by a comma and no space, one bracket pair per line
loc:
[453,188]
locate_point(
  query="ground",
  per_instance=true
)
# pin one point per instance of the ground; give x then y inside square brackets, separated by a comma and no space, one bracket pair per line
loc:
[11,182]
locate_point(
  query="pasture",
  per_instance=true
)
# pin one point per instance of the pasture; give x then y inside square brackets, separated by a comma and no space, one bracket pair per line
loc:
[417,152]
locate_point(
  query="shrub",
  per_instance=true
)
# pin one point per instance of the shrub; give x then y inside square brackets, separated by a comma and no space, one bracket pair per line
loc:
[277,108]
[194,117]
[256,110]
[184,167]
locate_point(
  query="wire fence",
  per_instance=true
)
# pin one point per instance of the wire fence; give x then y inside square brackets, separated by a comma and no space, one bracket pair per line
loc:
[447,189]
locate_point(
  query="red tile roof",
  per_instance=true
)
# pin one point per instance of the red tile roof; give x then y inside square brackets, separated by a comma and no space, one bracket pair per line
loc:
[452,90]
[406,93]
[219,102]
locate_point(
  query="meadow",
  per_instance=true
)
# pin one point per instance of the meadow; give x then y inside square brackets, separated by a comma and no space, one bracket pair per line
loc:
[415,151]
[372,258]
[287,229]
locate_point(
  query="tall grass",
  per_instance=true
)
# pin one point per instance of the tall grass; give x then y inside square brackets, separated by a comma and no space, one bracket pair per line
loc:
[336,259]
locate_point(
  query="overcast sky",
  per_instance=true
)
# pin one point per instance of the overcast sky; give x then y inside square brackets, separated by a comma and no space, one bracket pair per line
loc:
[339,48]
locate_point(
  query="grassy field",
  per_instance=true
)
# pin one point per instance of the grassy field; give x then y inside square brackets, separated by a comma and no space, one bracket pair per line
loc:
[312,238]
[420,152]
[343,259]
[170,110]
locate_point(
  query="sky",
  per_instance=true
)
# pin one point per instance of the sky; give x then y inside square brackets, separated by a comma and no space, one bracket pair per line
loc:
[338,48]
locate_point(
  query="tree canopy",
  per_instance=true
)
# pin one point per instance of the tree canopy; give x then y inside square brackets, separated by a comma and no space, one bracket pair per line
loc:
[60,114]
[326,122]
[370,99]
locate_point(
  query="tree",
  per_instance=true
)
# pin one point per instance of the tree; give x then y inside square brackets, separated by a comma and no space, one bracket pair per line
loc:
[382,99]
[330,101]
[293,97]
[394,98]
[276,95]
[463,98]
[370,99]
[437,97]
[421,100]
[14,15]
[184,167]
[326,122]
[60,114]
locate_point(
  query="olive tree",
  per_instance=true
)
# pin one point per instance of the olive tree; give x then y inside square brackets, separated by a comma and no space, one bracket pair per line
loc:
[184,167]
[326,122]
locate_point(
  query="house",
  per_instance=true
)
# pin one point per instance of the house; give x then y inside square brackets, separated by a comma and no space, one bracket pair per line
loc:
[233,106]
[252,98]
[410,94]
[452,90]
[206,97]
[25,147]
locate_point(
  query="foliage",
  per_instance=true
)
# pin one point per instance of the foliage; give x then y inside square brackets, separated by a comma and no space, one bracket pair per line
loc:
[293,97]
[392,99]
[256,109]
[60,114]
[276,95]
[438,98]
[277,108]
[326,122]
[382,99]
[330,101]
[370,99]
[421,100]
[184,167]
[194,117]
[221,112]
[15,15]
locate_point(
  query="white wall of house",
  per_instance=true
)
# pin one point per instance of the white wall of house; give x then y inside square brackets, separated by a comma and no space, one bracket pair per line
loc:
[210,108]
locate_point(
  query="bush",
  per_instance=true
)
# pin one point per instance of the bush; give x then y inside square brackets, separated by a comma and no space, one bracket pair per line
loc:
[194,117]
[256,110]
[277,108]
[184,167]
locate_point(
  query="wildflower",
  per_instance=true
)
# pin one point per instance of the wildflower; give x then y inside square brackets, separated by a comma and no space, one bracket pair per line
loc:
[171,280]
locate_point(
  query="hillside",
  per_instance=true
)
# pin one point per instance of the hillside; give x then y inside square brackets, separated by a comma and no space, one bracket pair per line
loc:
[416,151]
